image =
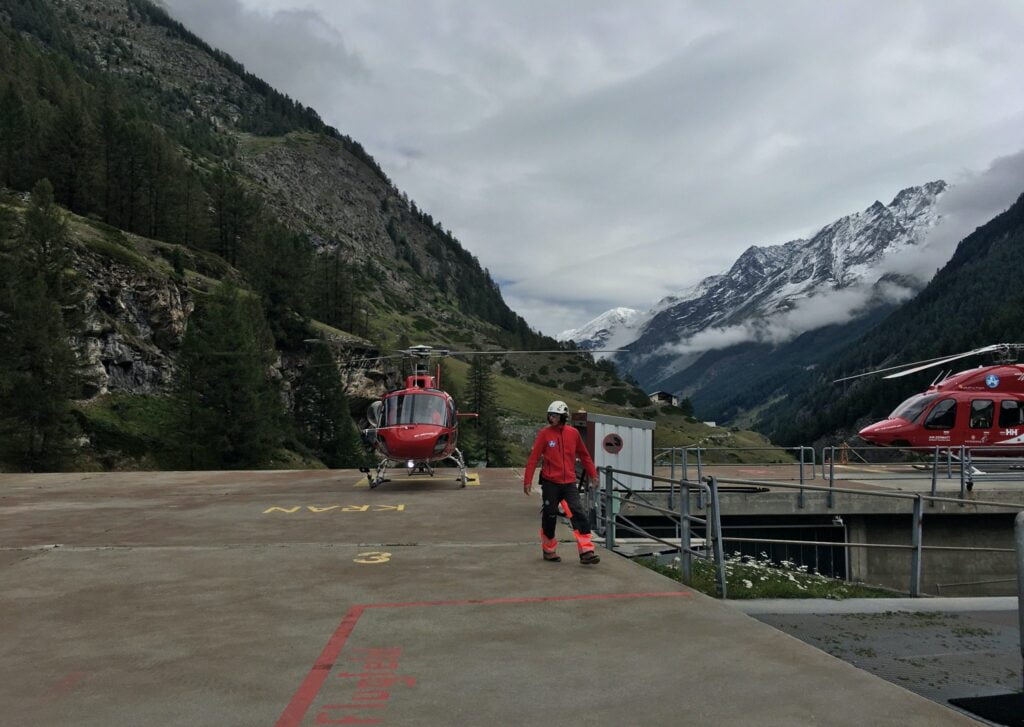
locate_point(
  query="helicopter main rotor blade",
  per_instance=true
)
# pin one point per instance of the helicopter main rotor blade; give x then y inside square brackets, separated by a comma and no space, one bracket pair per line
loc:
[920,365]
[985,349]
[560,350]
[889,368]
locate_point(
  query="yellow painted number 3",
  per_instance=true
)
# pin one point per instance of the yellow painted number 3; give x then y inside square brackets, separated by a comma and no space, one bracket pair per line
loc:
[373,556]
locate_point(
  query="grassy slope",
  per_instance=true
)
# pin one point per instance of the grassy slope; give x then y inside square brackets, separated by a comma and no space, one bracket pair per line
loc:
[523,404]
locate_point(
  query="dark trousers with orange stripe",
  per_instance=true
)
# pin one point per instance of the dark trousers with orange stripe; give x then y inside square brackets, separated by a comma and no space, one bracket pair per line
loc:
[554,494]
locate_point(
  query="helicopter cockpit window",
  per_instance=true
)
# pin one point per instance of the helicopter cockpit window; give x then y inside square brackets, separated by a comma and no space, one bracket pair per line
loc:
[1011,413]
[982,413]
[911,409]
[417,409]
[943,416]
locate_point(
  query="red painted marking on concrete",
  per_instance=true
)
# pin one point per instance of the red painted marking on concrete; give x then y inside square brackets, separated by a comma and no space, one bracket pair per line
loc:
[303,698]
[540,599]
[66,684]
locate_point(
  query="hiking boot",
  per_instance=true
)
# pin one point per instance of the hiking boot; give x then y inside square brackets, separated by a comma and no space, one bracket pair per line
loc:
[553,557]
[589,558]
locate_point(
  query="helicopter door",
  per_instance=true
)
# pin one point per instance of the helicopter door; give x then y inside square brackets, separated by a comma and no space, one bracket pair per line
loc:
[942,416]
[982,418]
[1011,419]
[373,413]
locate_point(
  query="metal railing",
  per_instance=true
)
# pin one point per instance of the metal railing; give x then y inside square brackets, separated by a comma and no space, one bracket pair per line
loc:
[609,521]
[963,462]
[684,458]
[917,524]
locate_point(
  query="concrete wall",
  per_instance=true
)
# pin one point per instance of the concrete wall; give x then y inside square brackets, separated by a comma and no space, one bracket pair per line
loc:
[946,573]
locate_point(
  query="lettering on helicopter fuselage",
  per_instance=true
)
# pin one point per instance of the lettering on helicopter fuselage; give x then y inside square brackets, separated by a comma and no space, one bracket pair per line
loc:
[337,508]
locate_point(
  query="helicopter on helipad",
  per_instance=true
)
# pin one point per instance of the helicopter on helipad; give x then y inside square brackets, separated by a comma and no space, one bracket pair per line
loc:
[981,407]
[416,426]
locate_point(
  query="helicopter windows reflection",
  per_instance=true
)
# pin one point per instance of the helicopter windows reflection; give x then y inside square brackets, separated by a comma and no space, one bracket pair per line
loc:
[416,409]
[943,416]
[982,413]
[911,409]
[1011,414]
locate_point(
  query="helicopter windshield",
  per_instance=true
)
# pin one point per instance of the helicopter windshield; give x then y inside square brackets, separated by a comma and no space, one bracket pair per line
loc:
[416,409]
[911,409]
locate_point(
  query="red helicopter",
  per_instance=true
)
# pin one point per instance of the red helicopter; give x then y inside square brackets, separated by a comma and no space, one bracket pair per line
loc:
[981,407]
[416,426]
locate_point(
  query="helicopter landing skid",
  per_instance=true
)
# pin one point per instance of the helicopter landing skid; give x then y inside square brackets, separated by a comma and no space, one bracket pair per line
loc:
[460,462]
[379,477]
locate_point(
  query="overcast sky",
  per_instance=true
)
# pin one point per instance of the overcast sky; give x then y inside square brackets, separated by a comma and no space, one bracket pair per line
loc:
[599,154]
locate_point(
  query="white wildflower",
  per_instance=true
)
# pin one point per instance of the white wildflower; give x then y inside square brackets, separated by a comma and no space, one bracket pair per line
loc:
[747,584]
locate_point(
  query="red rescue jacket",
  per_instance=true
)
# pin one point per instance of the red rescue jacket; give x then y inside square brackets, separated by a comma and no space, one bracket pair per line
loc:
[559,445]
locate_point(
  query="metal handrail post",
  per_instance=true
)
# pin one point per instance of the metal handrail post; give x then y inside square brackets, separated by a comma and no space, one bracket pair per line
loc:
[686,464]
[963,473]
[800,500]
[831,476]
[700,478]
[949,464]
[935,474]
[671,476]
[916,540]
[685,557]
[719,545]
[609,511]
[1018,530]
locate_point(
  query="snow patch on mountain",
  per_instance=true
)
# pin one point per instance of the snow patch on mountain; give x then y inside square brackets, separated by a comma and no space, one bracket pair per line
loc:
[774,293]
[612,329]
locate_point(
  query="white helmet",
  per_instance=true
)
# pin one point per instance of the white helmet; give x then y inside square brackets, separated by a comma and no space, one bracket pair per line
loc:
[558,407]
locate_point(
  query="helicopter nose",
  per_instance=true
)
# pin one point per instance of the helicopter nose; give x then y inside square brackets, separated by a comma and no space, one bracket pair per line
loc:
[884,432]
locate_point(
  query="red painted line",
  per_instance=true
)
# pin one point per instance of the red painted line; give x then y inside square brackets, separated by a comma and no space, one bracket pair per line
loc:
[303,698]
[541,599]
[66,684]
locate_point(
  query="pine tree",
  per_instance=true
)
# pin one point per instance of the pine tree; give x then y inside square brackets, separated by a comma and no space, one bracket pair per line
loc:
[485,440]
[233,215]
[45,247]
[70,148]
[231,411]
[322,414]
[14,134]
[38,367]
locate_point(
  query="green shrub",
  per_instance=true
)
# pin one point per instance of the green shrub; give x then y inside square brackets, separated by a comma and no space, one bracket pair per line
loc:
[615,396]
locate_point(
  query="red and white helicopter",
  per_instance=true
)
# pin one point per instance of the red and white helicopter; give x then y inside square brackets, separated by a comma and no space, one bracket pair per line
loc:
[417,425]
[981,407]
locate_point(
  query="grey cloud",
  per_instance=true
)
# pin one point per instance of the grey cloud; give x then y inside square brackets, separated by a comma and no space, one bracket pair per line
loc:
[825,309]
[592,153]
[295,50]
[972,201]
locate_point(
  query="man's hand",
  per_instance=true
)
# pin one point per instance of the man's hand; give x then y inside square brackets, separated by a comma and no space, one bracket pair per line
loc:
[594,483]
[526,488]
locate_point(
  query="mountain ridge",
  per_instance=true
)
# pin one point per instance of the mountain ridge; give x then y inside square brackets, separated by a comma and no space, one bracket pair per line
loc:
[768,283]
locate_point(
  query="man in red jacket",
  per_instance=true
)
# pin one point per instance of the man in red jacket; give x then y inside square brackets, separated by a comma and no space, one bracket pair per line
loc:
[560,445]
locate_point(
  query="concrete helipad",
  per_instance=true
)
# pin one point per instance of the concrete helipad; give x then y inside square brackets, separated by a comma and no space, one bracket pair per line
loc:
[301,598]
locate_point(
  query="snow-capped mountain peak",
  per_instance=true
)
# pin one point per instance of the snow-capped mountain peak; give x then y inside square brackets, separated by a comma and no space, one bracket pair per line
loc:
[769,282]
[611,329]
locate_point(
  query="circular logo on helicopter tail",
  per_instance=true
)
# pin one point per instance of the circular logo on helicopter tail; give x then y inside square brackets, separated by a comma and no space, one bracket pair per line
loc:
[991,381]
[612,444]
